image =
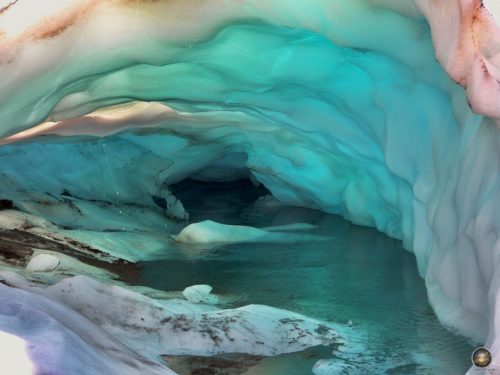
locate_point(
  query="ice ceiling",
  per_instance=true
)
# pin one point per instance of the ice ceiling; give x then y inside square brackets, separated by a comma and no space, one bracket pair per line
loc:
[335,105]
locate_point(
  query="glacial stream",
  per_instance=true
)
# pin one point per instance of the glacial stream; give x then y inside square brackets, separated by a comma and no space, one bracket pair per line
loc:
[338,272]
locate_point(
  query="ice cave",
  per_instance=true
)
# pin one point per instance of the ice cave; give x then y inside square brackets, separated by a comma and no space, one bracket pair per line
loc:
[273,187]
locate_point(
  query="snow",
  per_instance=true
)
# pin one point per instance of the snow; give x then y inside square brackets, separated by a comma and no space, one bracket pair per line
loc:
[42,263]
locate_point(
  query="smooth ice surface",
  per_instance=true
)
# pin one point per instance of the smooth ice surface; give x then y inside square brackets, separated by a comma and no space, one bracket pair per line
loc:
[210,231]
[494,8]
[199,294]
[42,263]
[14,355]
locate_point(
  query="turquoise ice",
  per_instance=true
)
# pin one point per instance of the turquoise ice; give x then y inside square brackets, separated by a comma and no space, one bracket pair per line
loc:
[361,121]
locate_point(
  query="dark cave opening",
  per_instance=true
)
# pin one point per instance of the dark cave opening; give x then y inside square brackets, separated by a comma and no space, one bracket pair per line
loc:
[217,200]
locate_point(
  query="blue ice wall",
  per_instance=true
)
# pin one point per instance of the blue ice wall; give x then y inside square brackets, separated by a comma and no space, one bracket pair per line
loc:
[383,141]
[318,123]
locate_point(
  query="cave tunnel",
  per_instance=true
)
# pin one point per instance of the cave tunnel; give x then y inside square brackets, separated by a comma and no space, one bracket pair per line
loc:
[229,187]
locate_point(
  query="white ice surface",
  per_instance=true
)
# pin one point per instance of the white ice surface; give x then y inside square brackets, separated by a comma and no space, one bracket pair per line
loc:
[59,340]
[14,356]
[80,326]
[211,232]
[42,263]
[199,294]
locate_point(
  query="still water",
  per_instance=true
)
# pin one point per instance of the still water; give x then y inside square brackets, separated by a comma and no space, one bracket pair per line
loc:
[351,274]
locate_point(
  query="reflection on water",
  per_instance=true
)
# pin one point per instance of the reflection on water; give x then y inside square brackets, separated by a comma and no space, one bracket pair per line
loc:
[354,274]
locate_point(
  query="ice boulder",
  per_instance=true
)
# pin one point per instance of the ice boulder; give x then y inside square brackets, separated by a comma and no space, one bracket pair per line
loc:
[208,231]
[200,294]
[43,263]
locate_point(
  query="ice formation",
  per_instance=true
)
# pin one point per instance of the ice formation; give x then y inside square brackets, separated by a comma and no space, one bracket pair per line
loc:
[80,324]
[210,232]
[335,105]
[43,263]
[199,294]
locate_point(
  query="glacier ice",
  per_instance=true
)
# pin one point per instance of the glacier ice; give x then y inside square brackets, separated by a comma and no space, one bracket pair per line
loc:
[14,352]
[80,323]
[42,263]
[210,231]
[338,106]
[59,340]
[200,294]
